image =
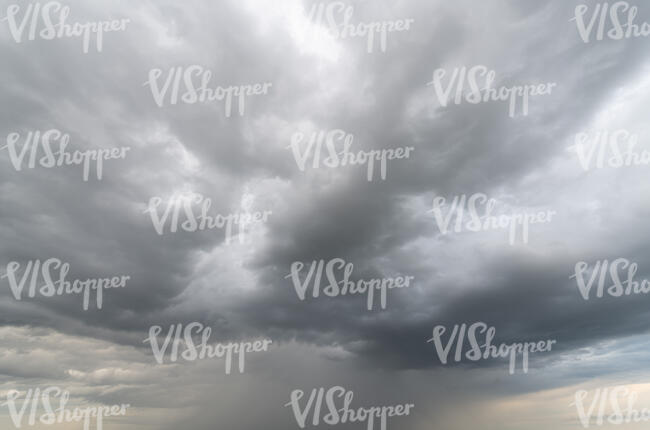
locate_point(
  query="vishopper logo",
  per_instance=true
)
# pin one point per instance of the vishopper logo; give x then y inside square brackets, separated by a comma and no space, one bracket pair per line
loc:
[189,212]
[337,18]
[34,397]
[344,286]
[586,276]
[338,145]
[480,80]
[47,141]
[178,337]
[622,409]
[620,16]
[195,81]
[341,414]
[51,19]
[463,206]
[613,149]
[54,281]
[485,350]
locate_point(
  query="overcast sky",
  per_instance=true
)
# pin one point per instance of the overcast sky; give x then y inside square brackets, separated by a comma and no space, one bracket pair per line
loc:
[384,227]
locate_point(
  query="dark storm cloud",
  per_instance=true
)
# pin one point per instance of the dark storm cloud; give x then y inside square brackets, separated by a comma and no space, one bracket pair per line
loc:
[381,226]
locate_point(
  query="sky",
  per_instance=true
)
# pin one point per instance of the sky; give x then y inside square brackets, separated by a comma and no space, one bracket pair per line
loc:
[243,161]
